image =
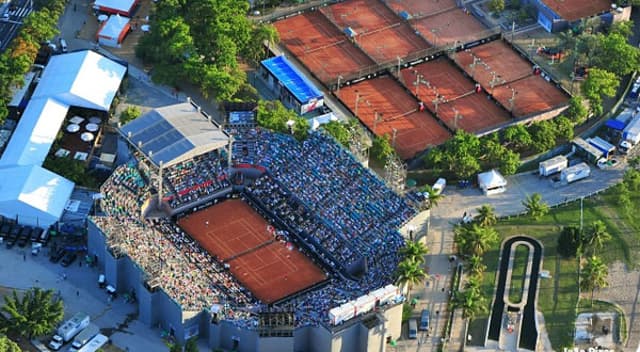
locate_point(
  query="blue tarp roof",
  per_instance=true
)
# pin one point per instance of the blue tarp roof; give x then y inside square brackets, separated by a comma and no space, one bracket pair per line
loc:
[615,124]
[296,83]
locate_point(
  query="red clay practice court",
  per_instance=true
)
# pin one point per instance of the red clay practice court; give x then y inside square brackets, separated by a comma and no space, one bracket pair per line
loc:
[321,46]
[415,130]
[474,110]
[236,234]
[447,28]
[572,10]
[379,32]
[422,8]
[532,95]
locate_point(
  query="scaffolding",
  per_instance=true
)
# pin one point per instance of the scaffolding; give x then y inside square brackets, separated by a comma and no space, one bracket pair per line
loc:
[359,143]
[395,173]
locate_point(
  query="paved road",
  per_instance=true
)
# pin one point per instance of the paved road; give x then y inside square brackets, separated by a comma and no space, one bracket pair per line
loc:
[9,28]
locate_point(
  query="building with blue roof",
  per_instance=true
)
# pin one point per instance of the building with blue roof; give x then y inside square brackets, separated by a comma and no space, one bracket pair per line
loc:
[291,86]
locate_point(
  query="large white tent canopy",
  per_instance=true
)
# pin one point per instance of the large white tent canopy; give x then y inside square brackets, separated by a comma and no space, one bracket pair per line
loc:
[33,195]
[492,182]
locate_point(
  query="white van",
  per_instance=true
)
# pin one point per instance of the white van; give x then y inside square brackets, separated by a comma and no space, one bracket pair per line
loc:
[439,186]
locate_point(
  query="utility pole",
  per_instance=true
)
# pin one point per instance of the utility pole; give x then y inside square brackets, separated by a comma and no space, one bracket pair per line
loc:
[399,64]
[512,101]
[338,89]
[393,139]
[377,118]
[356,104]
[456,116]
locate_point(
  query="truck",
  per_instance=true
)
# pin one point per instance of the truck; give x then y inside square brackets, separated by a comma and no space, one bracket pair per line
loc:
[575,173]
[630,134]
[605,147]
[553,165]
[83,337]
[69,329]
[95,343]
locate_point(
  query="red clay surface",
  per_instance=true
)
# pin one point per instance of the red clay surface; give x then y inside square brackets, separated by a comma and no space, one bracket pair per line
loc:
[320,46]
[449,27]
[507,64]
[475,111]
[234,229]
[379,31]
[533,95]
[572,10]
[415,130]
[420,8]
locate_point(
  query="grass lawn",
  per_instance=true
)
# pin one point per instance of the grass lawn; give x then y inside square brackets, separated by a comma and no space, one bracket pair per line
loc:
[518,273]
[558,296]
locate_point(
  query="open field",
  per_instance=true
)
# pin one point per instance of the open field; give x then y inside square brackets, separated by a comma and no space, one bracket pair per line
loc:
[395,110]
[518,273]
[558,296]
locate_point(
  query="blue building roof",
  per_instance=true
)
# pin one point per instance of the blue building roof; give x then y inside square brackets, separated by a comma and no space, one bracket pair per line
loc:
[292,79]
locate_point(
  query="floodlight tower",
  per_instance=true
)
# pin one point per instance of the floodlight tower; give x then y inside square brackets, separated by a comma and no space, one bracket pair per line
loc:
[395,173]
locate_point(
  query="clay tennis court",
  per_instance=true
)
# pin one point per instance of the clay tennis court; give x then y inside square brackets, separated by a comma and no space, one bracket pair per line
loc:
[449,27]
[533,95]
[572,10]
[416,131]
[494,59]
[379,31]
[421,8]
[475,111]
[234,233]
[320,46]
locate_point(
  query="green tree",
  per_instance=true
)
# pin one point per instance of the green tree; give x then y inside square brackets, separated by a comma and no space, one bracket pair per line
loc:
[475,265]
[576,111]
[459,155]
[632,179]
[410,273]
[175,347]
[616,54]
[486,216]
[594,275]
[275,116]
[6,345]
[496,6]
[544,136]
[256,50]
[35,314]
[623,28]
[596,236]
[71,169]
[381,148]
[129,114]
[623,197]
[599,84]
[434,197]
[471,302]
[473,239]
[300,128]
[517,137]
[414,251]
[564,128]
[339,131]
[191,345]
[570,242]
[535,206]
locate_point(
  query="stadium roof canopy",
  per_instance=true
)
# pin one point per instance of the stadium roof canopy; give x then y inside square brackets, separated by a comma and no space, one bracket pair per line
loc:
[33,195]
[83,79]
[292,79]
[175,133]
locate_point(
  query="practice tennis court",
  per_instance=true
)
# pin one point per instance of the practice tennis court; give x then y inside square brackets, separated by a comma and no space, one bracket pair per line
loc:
[532,95]
[447,28]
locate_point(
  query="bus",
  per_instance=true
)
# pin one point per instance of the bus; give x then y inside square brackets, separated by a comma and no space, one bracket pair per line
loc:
[413,329]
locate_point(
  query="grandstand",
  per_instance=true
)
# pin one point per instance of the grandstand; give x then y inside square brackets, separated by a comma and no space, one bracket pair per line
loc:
[306,203]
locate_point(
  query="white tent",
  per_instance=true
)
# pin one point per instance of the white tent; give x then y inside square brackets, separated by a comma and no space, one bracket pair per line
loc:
[492,182]
[113,31]
[84,79]
[33,195]
[35,133]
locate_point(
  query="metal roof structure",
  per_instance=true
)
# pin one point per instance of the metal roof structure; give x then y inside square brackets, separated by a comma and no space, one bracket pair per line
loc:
[292,79]
[175,133]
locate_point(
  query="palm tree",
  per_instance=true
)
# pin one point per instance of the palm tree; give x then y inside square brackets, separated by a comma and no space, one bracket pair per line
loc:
[414,251]
[486,216]
[472,303]
[434,197]
[473,239]
[594,275]
[7,345]
[597,235]
[35,314]
[409,273]
[475,265]
[535,206]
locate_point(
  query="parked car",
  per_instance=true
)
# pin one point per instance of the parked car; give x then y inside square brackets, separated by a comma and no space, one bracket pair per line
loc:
[57,255]
[68,259]
[11,242]
[35,234]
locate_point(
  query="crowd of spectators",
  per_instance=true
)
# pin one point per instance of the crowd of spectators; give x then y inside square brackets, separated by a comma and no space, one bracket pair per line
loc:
[193,179]
[245,144]
[341,210]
